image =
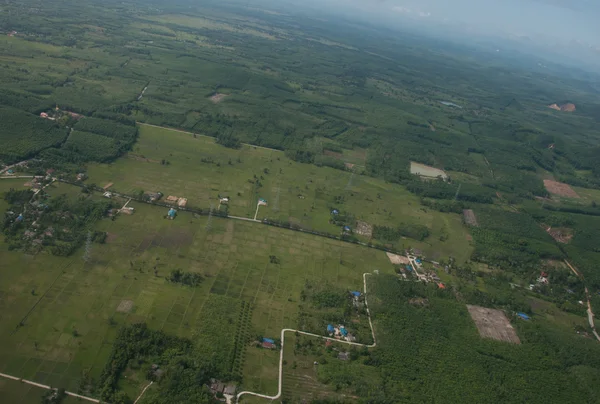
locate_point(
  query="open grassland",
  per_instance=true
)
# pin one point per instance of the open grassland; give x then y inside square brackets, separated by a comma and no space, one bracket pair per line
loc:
[59,316]
[13,391]
[200,170]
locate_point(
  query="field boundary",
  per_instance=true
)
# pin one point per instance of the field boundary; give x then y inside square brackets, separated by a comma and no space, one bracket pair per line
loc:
[198,134]
[43,386]
[266,222]
[286,330]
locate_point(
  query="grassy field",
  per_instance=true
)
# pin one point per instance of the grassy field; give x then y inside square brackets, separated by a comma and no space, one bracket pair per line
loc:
[68,308]
[200,170]
[13,391]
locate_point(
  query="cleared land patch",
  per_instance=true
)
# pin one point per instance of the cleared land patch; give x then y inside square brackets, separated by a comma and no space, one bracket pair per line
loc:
[560,189]
[426,171]
[398,259]
[218,97]
[364,229]
[493,324]
[470,218]
[125,306]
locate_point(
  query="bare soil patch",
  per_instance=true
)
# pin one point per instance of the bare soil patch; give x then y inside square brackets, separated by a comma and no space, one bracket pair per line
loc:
[426,171]
[110,184]
[349,166]
[561,234]
[125,306]
[559,188]
[398,259]
[364,228]
[470,218]
[493,324]
[110,237]
[333,154]
[218,97]
[568,107]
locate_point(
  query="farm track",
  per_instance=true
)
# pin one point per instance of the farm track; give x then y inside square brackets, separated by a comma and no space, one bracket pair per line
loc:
[590,313]
[43,386]
[286,330]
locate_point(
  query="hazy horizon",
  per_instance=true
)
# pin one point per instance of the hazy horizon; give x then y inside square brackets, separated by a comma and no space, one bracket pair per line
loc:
[569,30]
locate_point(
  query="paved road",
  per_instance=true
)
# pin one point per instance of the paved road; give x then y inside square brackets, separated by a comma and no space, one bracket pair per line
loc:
[286,330]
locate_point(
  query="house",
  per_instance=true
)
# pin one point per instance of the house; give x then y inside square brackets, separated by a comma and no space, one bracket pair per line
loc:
[154,196]
[44,115]
[347,229]
[262,202]
[107,195]
[172,198]
[330,329]
[441,285]
[328,343]
[181,202]
[171,214]
[523,316]
[335,212]
[229,390]
[268,345]
[81,177]
[343,331]
[224,199]
[355,294]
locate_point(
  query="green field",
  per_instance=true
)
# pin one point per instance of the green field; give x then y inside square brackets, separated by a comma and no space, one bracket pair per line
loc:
[322,117]
[298,193]
[68,308]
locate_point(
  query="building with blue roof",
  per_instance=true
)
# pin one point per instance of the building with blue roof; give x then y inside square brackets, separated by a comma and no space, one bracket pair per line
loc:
[330,329]
[172,213]
[335,212]
[355,294]
[523,316]
[343,331]
[268,340]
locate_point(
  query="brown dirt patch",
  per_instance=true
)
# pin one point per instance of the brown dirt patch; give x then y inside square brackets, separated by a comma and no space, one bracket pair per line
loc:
[110,184]
[559,188]
[125,306]
[470,218]
[398,259]
[419,301]
[110,237]
[561,234]
[349,166]
[568,107]
[364,228]
[432,127]
[469,237]
[218,97]
[333,154]
[493,324]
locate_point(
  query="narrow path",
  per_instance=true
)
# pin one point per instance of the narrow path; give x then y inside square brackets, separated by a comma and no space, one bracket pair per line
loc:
[197,134]
[142,393]
[286,330]
[590,313]
[43,386]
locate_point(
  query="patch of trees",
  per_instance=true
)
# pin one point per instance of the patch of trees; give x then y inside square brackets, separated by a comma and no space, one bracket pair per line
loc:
[476,369]
[390,234]
[184,374]
[185,278]
[23,135]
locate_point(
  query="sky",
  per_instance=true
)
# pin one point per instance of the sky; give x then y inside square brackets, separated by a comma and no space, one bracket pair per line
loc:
[570,26]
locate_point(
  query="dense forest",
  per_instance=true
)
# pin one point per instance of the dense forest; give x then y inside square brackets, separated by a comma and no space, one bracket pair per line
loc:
[455,364]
